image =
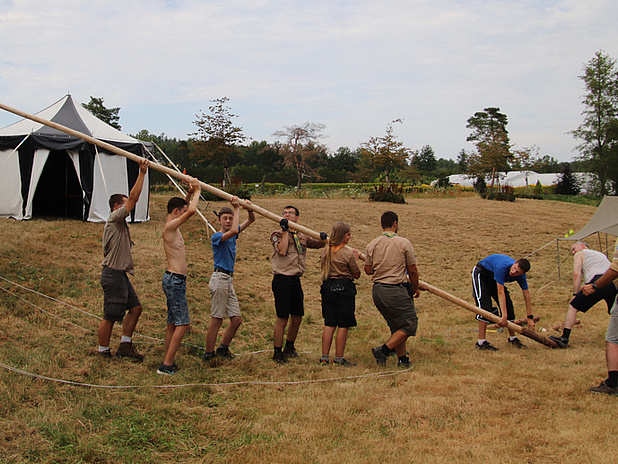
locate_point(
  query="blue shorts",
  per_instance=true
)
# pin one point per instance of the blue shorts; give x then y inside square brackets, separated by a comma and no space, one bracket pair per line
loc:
[175,289]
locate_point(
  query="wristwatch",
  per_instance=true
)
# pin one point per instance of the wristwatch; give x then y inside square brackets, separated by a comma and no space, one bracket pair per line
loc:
[530,316]
[594,285]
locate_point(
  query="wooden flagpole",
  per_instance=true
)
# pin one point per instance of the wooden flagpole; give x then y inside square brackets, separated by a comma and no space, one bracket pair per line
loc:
[158,167]
[222,194]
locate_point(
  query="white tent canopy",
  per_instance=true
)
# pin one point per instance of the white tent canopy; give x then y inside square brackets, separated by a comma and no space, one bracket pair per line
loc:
[45,172]
[604,220]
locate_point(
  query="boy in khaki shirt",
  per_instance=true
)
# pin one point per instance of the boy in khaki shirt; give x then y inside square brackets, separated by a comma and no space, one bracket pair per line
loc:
[391,263]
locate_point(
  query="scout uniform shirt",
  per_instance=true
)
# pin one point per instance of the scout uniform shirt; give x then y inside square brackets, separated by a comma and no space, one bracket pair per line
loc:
[342,264]
[389,256]
[293,263]
[117,242]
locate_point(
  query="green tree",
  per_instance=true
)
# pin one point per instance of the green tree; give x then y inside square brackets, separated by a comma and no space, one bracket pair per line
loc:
[600,112]
[107,115]
[217,136]
[301,148]
[385,154]
[425,160]
[462,160]
[567,183]
[493,149]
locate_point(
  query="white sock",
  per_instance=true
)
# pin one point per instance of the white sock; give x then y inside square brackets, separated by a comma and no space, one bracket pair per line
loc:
[482,341]
[103,348]
[125,339]
[512,338]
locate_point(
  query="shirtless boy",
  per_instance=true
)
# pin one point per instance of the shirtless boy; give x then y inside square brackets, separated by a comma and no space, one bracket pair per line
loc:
[179,210]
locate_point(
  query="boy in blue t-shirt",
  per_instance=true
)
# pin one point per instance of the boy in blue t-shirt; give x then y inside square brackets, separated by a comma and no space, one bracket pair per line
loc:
[489,277]
[224,299]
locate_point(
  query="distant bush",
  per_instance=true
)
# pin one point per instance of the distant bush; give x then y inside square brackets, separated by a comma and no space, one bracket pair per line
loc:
[505,193]
[390,194]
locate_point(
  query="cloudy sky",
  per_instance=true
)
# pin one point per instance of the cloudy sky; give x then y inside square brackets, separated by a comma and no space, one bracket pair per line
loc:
[353,65]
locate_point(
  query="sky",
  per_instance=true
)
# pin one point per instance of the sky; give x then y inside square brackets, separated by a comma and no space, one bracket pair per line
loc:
[353,65]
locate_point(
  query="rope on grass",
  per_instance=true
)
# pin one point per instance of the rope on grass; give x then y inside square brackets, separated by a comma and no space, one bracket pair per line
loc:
[221,384]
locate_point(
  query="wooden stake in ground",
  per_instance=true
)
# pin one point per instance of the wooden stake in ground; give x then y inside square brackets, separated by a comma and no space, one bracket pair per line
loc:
[487,315]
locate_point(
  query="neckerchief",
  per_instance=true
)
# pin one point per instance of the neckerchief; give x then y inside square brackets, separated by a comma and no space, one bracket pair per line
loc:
[389,234]
[336,248]
[299,248]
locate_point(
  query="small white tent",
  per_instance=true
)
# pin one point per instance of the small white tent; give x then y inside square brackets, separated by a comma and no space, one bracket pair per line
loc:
[45,172]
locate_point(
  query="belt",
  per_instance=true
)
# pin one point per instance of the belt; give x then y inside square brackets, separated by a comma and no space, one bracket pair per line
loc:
[225,271]
[180,276]
[392,285]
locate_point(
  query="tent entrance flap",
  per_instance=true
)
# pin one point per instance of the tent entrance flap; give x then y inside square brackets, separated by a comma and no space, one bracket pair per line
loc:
[58,192]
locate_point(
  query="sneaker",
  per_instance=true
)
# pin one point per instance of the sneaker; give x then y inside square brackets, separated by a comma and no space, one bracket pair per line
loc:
[404,363]
[279,357]
[107,354]
[164,369]
[516,343]
[224,353]
[486,347]
[207,357]
[344,362]
[290,352]
[127,350]
[605,389]
[560,341]
[322,362]
[379,355]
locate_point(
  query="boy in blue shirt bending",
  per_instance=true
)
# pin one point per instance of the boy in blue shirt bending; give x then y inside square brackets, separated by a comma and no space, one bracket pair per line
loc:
[489,277]
[224,300]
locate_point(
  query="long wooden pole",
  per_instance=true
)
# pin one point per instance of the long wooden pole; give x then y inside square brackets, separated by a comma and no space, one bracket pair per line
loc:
[157,166]
[487,315]
[220,193]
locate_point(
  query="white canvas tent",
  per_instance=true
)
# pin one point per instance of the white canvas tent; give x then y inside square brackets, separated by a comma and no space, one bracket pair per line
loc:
[45,172]
[604,220]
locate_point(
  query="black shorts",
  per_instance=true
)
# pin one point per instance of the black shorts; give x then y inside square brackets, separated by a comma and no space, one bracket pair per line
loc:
[484,289]
[583,302]
[118,294]
[289,297]
[338,302]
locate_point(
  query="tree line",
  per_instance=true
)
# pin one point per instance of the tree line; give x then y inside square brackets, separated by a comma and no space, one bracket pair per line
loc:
[219,152]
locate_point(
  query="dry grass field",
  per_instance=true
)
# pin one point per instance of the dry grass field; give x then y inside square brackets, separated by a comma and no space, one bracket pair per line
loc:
[457,405]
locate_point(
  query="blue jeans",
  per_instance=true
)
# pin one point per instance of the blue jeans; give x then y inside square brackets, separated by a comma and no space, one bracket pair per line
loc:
[175,289]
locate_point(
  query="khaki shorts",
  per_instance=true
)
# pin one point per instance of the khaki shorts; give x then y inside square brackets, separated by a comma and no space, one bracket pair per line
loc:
[396,306]
[612,329]
[224,299]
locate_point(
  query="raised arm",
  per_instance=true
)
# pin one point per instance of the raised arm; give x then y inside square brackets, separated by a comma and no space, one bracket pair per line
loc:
[250,220]
[137,187]
[193,197]
[234,228]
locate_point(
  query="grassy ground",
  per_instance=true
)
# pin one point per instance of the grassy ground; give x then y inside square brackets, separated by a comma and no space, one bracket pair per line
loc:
[457,404]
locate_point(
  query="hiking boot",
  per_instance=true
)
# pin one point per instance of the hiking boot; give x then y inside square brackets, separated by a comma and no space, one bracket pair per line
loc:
[207,357]
[560,341]
[322,362]
[516,343]
[279,357]
[224,353]
[164,369]
[486,347]
[290,352]
[404,363]
[107,354]
[127,350]
[344,362]
[379,355]
[605,389]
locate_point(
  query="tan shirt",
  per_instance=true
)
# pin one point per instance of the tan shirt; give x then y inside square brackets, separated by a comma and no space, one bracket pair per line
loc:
[342,264]
[293,263]
[117,242]
[389,258]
